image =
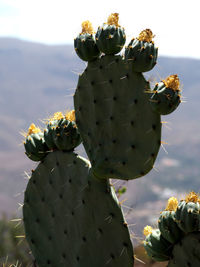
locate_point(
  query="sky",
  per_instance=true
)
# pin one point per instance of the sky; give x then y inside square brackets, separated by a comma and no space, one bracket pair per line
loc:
[175,23]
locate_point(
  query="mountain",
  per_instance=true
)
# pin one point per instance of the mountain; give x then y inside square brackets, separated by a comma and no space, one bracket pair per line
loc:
[37,80]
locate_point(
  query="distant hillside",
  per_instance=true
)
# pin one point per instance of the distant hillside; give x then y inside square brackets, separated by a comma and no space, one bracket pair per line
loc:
[37,80]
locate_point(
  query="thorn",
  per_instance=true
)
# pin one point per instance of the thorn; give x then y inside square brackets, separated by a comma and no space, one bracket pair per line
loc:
[164,143]
[110,63]
[77,73]
[108,261]
[18,224]
[124,77]
[27,175]
[109,219]
[121,202]
[155,169]
[20,236]
[149,159]
[132,224]
[139,260]
[127,207]
[15,220]
[122,251]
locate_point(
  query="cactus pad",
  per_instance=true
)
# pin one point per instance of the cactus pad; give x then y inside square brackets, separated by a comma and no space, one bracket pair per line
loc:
[120,131]
[73,219]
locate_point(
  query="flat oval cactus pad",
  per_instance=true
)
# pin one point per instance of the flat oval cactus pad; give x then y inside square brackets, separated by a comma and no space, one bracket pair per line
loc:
[120,131]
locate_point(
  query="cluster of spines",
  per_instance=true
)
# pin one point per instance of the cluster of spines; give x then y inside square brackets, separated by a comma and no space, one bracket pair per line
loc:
[177,221]
[61,133]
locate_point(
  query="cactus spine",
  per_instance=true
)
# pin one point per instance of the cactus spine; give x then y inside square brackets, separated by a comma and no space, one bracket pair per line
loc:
[71,214]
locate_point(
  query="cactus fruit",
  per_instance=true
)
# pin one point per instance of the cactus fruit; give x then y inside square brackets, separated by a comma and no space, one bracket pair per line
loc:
[85,44]
[142,52]
[111,37]
[179,225]
[188,213]
[166,97]
[167,222]
[72,218]
[61,132]
[50,129]
[158,248]
[121,132]
[35,146]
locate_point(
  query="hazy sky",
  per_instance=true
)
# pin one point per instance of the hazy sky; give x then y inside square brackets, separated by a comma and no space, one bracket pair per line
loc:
[174,22]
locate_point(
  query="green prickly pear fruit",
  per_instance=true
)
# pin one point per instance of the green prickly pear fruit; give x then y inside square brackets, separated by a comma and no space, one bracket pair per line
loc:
[186,252]
[34,144]
[142,52]
[72,218]
[157,248]
[188,213]
[166,96]
[167,222]
[61,132]
[66,135]
[50,130]
[110,38]
[85,44]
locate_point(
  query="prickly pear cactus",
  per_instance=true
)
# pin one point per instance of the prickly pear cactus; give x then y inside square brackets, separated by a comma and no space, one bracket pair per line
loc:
[118,115]
[179,233]
[71,218]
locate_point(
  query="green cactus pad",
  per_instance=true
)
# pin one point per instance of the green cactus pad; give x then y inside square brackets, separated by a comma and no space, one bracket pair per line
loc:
[142,52]
[169,228]
[120,132]
[187,252]
[157,247]
[73,219]
[165,99]
[110,38]
[34,144]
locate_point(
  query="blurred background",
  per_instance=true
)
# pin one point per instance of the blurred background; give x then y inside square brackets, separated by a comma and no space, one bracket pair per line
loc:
[38,75]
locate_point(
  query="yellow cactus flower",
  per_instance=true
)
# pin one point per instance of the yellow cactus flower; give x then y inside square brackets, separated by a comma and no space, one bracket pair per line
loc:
[33,129]
[87,27]
[172,204]
[147,230]
[70,116]
[192,197]
[172,82]
[113,19]
[146,36]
